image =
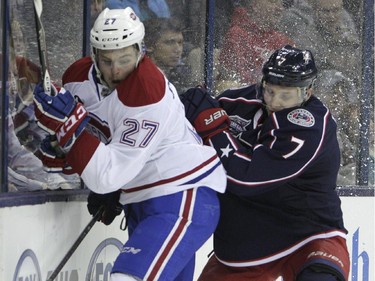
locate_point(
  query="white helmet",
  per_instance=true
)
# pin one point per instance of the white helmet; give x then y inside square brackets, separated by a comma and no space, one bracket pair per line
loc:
[117,29]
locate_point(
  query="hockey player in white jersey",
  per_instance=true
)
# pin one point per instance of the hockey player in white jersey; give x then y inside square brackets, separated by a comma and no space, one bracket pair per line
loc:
[123,129]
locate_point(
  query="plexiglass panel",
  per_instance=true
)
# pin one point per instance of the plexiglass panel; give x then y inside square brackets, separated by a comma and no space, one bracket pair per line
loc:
[62,22]
[246,33]
[249,31]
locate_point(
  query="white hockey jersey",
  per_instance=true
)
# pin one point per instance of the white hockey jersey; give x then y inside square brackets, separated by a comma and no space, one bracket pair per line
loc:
[138,139]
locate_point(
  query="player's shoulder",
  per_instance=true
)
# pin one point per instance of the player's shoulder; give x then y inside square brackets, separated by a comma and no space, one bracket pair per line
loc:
[241,102]
[316,107]
[248,92]
[312,116]
[78,71]
[146,85]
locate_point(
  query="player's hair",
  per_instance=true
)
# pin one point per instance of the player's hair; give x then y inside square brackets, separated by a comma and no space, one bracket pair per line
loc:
[155,27]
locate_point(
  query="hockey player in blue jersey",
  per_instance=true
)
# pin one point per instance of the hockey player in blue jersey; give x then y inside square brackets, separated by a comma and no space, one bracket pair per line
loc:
[281,217]
[126,135]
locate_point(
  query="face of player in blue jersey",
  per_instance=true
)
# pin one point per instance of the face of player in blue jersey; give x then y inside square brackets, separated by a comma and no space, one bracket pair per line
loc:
[116,65]
[279,97]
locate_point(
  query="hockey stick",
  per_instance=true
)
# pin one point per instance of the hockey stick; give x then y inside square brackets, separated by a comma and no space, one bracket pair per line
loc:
[42,46]
[83,234]
[15,86]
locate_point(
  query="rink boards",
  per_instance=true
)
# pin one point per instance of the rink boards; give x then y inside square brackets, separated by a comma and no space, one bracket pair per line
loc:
[35,238]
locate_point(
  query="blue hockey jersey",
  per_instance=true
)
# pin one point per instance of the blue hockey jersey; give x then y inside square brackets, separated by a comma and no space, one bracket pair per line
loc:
[282,169]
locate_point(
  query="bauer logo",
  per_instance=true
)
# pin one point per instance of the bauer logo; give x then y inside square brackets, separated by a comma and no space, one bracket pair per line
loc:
[276,74]
[102,260]
[27,268]
[215,116]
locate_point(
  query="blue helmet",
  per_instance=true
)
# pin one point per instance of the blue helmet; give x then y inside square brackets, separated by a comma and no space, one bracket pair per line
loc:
[290,67]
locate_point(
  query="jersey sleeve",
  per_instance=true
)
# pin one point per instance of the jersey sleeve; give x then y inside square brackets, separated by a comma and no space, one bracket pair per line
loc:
[288,143]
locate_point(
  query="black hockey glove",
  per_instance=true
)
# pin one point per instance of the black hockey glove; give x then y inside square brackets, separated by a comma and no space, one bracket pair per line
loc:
[204,112]
[110,201]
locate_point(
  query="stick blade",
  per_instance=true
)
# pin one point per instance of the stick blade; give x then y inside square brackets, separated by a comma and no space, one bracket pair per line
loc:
[38,6]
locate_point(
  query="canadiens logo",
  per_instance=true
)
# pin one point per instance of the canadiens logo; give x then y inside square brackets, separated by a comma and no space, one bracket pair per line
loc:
[99,128]
[133,16]
[301,117]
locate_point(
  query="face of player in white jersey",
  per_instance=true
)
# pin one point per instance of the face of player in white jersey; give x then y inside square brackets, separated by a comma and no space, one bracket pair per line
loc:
[279,97]
[116,65]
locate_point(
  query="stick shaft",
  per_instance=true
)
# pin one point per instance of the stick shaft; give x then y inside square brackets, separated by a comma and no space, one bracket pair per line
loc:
[42,48]
[42,45]
[72,249]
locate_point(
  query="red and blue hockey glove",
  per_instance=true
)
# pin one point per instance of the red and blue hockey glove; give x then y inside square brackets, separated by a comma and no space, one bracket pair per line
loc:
[204,112]
[60,115]
[110,201]
[52,163]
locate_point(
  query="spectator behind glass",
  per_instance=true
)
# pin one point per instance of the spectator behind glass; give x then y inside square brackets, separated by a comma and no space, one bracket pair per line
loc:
[192,16]
[96,7]
[334,89]
[329,31]
[251,38]
[164,45]
[145,9]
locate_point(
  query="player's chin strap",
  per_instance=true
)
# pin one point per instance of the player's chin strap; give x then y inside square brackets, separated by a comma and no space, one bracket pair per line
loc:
[98,75]
[96,71]
[105,91]
[139,59]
